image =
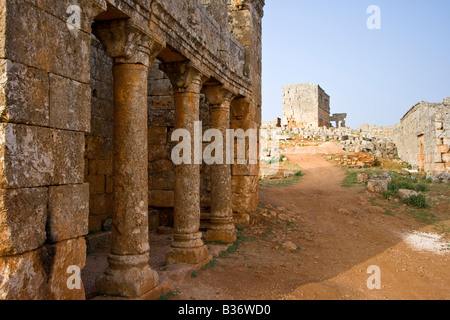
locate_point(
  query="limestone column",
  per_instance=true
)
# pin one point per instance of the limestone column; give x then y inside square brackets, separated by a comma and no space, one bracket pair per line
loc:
[187,246]
[133,50]
[222,227]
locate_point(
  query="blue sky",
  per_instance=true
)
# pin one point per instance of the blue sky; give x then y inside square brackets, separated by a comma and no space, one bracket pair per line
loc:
[375,76]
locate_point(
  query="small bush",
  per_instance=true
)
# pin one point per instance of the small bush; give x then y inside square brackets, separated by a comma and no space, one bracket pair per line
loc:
[421,187]
[418,201]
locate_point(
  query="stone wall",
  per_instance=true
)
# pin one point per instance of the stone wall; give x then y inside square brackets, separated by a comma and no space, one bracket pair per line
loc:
[68,162]
[45,102]
[305,105]
[423,137]
[99,142]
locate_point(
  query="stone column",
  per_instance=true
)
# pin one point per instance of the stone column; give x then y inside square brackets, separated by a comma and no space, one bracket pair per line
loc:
[222,226]
[187,246]
[133,50]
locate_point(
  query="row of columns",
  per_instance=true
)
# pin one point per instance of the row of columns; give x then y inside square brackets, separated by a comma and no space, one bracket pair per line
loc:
[129,274]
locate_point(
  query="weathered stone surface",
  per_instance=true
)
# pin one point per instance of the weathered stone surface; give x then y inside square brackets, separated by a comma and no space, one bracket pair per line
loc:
[70,104]
[60,257]
[68,212]
[23,217]
[22,277]
[68,157]
[377,186]
[245,203]
[161,198]
[24,94]
[362,177]
[67,56]
[244,184]
[406,194]
[305,105]
[27,158]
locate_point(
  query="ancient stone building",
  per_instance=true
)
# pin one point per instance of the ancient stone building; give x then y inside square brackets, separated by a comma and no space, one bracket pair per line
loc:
[305,106]
[90,93]
[423,136]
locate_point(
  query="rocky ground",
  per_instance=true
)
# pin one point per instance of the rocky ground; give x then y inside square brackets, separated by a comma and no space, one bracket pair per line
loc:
[315,235]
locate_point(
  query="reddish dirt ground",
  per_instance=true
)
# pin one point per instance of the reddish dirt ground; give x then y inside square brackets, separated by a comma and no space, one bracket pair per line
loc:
[339,233]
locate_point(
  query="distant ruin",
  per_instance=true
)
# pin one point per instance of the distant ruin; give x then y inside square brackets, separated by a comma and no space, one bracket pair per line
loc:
[305,106]
[423,137]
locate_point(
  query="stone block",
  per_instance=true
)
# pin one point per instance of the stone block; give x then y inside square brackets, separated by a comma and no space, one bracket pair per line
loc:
[61,256]
[23,94]
[377,186]
[99,148]
[101,204]
[406,194]
[102,127]
[157,136]
[161,102]
[161,181]
[245,169]
[161,166]
[97,184]
[245,203]
[69,157]
[160,87]
[27,158]
[23,217]
[158,152]
[22,277]
[446,157]
[102,108]
[161,118]
[439,167]
[444,148]
[161,198]
[70,104]
[53,47]
[109,188]
[68,212]
[244,184]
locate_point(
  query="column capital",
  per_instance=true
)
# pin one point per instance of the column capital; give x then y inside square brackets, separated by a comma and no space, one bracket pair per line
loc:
[126,42]
[184,76]
[218,94]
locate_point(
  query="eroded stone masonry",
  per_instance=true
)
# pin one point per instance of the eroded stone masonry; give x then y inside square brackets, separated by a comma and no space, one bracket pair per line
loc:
[87,112]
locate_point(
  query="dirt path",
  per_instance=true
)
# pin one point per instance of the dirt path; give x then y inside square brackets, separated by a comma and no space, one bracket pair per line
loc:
[339,234]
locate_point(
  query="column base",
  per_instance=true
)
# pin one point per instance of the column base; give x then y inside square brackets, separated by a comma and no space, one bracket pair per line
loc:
[187,248]
[241,219]
[221,229]
[225,236]
[128,277]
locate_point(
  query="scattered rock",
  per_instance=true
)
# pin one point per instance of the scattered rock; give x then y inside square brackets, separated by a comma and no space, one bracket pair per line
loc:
[378,186]
[362,178]
[289,246]
[406,194]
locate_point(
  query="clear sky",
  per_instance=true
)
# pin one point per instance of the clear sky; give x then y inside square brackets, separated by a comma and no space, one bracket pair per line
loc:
[375,76]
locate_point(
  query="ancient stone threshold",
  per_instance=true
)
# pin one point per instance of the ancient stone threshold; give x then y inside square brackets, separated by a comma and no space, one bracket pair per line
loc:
[169,275]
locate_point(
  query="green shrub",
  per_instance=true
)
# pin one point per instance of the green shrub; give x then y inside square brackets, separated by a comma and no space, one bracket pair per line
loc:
[418,201]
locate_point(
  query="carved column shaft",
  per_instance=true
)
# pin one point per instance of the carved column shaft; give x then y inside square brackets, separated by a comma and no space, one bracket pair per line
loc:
[187,246]
[222,226]
[133,50]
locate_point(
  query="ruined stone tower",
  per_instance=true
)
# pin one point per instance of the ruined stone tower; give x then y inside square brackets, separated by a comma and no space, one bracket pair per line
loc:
[90,93]
[305,106]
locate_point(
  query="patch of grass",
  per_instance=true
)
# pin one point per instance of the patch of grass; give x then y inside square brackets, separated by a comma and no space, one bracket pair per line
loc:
[219,243]
[194,274]
[212,264]
[284,182]
[418,201]
[167,296]
[426,217]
